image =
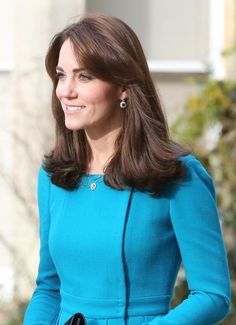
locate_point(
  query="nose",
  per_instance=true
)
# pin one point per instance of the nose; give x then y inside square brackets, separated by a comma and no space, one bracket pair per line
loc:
[66,89]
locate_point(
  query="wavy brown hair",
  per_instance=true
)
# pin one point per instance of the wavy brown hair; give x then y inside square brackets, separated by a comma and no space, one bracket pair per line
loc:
[145,157]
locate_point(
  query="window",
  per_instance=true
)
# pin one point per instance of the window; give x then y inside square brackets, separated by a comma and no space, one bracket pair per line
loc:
[175,34]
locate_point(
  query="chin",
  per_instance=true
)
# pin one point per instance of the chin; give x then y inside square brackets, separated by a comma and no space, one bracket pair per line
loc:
[73,127]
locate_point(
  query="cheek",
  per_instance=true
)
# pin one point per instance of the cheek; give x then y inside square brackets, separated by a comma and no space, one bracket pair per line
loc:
[103,96]
[58,92]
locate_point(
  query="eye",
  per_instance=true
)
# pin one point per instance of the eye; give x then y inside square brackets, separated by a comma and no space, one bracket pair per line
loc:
[60,75]
[85,77]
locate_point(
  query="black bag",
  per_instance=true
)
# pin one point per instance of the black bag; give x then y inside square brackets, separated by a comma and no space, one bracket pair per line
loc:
[76,319]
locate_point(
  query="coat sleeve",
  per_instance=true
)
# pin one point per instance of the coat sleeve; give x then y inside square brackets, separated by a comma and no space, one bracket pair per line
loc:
[197,229]
[44,305]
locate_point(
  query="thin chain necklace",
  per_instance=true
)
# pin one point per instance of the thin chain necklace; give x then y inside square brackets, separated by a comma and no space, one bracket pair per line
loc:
[93,184]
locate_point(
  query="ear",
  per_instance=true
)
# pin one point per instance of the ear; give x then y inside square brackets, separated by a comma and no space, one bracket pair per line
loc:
[123,94]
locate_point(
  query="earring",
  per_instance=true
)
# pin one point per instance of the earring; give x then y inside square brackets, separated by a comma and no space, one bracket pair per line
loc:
[123,104]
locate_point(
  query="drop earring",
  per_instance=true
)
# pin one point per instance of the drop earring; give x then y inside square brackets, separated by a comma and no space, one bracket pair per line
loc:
[123,104]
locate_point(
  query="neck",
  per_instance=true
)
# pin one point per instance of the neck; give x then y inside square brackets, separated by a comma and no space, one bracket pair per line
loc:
[102,148]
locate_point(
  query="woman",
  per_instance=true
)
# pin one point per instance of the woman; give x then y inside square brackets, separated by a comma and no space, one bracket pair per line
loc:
[121,205]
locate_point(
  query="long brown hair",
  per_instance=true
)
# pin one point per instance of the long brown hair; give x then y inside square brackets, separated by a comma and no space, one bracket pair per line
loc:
[144,157]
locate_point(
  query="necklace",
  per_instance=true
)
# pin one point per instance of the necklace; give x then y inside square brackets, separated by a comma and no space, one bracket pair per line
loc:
[93,184]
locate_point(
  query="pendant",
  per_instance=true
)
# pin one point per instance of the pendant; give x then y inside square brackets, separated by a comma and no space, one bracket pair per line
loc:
[93,186]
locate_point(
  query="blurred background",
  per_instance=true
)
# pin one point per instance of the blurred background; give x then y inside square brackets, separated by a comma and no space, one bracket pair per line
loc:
[191,50]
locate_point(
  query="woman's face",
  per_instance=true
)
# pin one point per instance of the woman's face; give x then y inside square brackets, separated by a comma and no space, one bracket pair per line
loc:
[87,102]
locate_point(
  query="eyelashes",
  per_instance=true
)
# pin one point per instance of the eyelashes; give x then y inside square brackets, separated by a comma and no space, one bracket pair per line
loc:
[82,76]
[85,76]
[59,75]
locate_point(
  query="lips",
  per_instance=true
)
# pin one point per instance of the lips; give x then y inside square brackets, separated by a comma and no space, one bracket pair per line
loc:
[74,108]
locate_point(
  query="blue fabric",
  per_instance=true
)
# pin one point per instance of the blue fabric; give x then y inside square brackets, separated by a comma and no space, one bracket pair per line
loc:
[114,255]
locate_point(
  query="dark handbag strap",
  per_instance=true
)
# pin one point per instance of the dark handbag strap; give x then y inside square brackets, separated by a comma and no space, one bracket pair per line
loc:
[76,319]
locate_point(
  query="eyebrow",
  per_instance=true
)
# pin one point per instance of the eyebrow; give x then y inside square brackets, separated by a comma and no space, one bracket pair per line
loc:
[74,70]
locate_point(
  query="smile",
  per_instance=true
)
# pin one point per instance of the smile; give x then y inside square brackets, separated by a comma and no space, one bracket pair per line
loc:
[74,108]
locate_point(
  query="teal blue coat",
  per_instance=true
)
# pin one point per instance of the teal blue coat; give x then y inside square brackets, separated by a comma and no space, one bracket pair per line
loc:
[114,255]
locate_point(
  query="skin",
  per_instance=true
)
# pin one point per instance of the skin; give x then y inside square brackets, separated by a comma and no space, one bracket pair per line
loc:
[99,112]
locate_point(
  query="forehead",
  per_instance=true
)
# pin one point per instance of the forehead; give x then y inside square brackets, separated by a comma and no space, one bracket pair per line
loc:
[67,56]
